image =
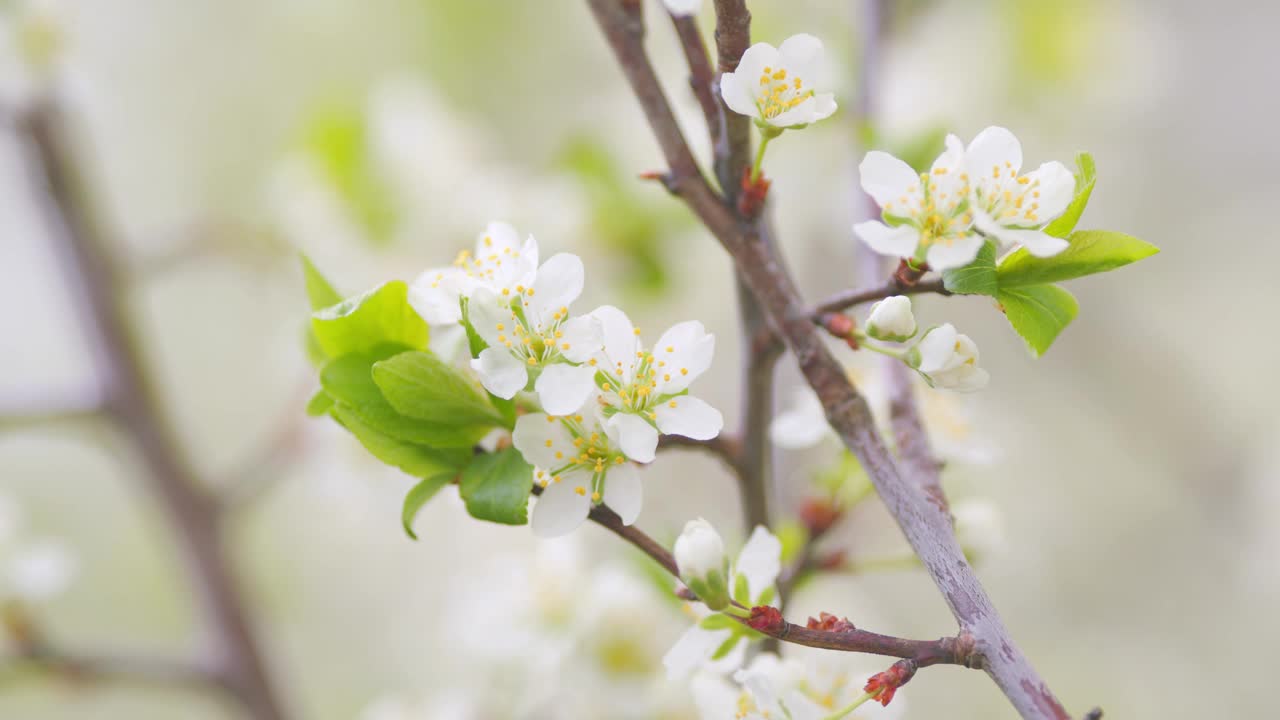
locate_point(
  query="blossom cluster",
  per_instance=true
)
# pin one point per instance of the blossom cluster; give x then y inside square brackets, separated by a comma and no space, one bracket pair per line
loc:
[605,399]
[942,217]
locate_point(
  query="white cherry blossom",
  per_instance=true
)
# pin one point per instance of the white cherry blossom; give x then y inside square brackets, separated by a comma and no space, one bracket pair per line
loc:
[500,262]
[577,464]
[642,393]
[948,359]
[774,687]
[683,7]
[891,319]
[1012,207]
[703,565]
[758,564]
[530,334]
[928,215]
[775,85]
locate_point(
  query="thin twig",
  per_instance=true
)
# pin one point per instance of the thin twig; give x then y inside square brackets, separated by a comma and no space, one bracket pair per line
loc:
[81,667]
[702,78]
[93,273]
[849,298]
[927,529]
[726,447]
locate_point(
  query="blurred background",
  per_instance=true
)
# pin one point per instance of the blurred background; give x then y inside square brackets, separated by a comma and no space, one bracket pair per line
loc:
[1133,469]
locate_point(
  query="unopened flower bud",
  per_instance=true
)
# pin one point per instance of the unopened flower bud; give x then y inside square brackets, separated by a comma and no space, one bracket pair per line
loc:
[702,562]
[891,319]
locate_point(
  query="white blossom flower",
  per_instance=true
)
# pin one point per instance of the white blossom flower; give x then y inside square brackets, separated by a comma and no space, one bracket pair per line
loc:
[683,7]
[577,464]
[775,687]
[703,565]
[949,360]
[891,319]
[759,564]
[41,570]
[774,85]
[979,526]
[529,332]
[642,393]
[928,215]
[500,263]
[1012,207]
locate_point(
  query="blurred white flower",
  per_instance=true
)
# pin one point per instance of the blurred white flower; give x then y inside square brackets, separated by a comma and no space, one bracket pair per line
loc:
[803,424]
[979,526]
[758,566]
[774,687]
[577,463]
[683,7]
[1009,206]
[32,42]
[703,564]
[774,85]
[891,319]
[641,392]
[949,360]
[929,219]
[41,570]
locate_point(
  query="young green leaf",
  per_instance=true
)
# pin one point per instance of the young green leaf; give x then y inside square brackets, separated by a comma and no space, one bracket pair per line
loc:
[1085,180]
[1090,251]
[349,381]
[716,621]
[378,317]
[319,291]
[319,404]
[417,460]
[742,590]
[496,487]
[420,385]
[726,647]
[418,496]
[976,278]
[1038,313]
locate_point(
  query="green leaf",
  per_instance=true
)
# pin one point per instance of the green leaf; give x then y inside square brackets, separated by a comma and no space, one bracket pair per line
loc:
[496,487]
[319,404]
[718,621]
[418,496]
[417,460]
[1090,251]
[741,590]
[726,647]
[976,278]
[378,317]
[920,150]
[1086,178]
[1038,313]
[337,140]
[349,381]
[319,291]
[421,385]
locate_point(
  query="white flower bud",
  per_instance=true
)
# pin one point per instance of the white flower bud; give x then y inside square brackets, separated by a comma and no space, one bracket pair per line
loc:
[891,319]
[703,564]
[948,360]
[979,526]
[683,7]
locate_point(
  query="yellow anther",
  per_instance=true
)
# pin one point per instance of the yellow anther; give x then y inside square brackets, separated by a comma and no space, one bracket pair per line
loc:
[671,348]
[548,443]
[636,331]
[606,387]
[506,291]
[555,478]
[666,378]
[533,361]
[595,497]
[684,371]
[488,241]
[559,455]
[551,418]
[618,460]
[580,490]
[577,418]
[502,338]
[672,404]
[564,346]
[501,327]
[940,171]
[519,288]
[780,75]
[1024,180]
[577,442]
[592,362]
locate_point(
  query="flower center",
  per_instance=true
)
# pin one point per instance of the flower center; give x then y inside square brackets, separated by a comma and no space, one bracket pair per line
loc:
[535,344]
[1010,198]
[591,455]
[942,216]
[778,94]
[486,265]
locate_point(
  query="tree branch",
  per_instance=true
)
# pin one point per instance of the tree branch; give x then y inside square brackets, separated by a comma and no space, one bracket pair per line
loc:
[99,668]
[927,529]
[849,298]
[726,447]
[702,79]
[95,278]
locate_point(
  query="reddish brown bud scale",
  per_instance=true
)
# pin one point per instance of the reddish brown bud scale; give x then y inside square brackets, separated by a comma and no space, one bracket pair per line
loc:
[754,192]
[818,515]
[840,326]
[767,620]
[883,685]
[907,275]
[827,622]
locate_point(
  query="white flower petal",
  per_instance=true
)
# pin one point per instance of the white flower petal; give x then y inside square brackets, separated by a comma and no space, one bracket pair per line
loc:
[620,340]
[990,150]
[1036,242]
[886,178]
[752,65]
[491,316]
[435,295]
[801,55]
[558,284]
[803,708]
[898,241]
[1057,188]
[947,185]
[803,426]
[563,389]
[497,237]
[892,319]
[41,570]
[539,440]
[583,336]
[737,94]
[500,372]
[682,354]
[760,560]
[560,509]
[689,416]
[813,109]
[683,7]
[714,697]
[623,492]
[693,649]
[937,348]
[959,252]
[636,437]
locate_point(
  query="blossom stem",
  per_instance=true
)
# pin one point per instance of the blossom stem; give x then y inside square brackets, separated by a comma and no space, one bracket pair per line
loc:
[865,344]
[759,163]
[736,611]
[844,711]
